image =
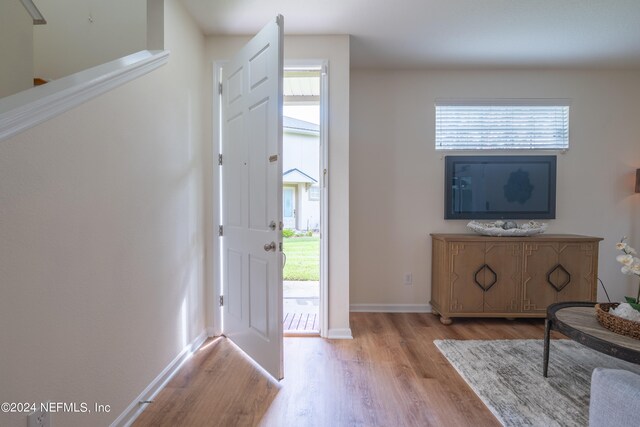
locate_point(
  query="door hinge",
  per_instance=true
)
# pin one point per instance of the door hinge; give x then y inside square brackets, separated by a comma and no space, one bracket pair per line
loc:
[220,230]
[219,159]
[219,88]
[221,300]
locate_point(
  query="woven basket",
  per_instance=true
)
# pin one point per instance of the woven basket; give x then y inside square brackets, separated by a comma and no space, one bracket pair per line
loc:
[616,324]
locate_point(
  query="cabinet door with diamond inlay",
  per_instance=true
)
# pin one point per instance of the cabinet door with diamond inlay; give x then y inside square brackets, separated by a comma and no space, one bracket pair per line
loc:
[557,271]
[539,260]
[505,260]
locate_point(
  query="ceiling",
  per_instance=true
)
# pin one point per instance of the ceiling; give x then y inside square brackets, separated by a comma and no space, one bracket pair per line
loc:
[449,33]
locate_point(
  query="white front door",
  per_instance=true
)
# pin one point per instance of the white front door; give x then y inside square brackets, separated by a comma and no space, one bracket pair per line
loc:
[252,197]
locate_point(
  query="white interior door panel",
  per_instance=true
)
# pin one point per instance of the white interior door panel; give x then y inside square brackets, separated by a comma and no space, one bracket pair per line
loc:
[251,148]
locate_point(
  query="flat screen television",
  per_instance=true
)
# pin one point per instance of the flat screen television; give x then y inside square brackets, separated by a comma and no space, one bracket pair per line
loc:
[500,187]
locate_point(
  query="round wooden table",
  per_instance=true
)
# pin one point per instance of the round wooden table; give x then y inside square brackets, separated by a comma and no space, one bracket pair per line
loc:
[577,320]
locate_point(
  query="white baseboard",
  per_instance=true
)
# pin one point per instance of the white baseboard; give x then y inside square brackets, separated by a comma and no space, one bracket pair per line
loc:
[340,334]
[135,408]
[390,308]
[212,332]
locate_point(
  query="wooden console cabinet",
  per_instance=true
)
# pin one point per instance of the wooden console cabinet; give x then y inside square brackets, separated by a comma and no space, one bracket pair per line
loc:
[482,276]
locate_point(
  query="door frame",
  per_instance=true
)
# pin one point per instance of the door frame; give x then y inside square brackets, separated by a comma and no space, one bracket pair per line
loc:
[215,326]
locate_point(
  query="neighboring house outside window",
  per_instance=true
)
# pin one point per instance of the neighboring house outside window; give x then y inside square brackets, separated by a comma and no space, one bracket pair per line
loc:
[301,170]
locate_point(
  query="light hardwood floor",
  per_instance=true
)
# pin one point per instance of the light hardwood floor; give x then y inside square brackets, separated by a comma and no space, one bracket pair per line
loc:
[390,374]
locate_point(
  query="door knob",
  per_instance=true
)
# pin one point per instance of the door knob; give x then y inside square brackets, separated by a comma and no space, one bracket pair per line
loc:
[270,246]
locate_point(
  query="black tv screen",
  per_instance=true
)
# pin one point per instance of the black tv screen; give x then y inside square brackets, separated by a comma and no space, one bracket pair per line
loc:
[500,187]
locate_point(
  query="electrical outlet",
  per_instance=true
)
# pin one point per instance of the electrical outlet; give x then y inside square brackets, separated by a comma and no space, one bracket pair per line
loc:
[39,419]
[408,279]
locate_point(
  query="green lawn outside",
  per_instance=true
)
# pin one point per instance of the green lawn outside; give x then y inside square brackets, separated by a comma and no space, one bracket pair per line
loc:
[303,258]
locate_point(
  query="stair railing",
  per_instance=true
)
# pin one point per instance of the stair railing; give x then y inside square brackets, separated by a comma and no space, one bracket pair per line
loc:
[33,10]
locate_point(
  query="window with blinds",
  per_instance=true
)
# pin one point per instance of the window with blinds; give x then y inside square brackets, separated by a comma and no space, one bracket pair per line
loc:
[502,125]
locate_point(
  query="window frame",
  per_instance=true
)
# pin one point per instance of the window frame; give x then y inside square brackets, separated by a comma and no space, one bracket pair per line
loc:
[314,198]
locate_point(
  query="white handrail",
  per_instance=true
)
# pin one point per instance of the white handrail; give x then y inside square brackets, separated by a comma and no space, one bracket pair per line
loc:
[38,19]
[23,110]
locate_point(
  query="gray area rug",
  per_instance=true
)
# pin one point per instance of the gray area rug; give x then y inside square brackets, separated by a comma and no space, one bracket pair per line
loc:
[507,376]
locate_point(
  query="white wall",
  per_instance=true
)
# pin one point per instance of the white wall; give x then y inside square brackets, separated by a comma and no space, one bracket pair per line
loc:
[80,34]
[397,176]
[101,249]
[336,50]
[16,48]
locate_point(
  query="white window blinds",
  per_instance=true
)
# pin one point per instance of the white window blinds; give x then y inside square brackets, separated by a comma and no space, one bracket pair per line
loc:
[502,125]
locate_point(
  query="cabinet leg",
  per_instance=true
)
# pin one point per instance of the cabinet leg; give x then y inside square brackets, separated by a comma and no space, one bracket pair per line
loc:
[446,320]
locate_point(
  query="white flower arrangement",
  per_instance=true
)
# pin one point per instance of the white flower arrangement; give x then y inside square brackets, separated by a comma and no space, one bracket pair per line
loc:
[630,266]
